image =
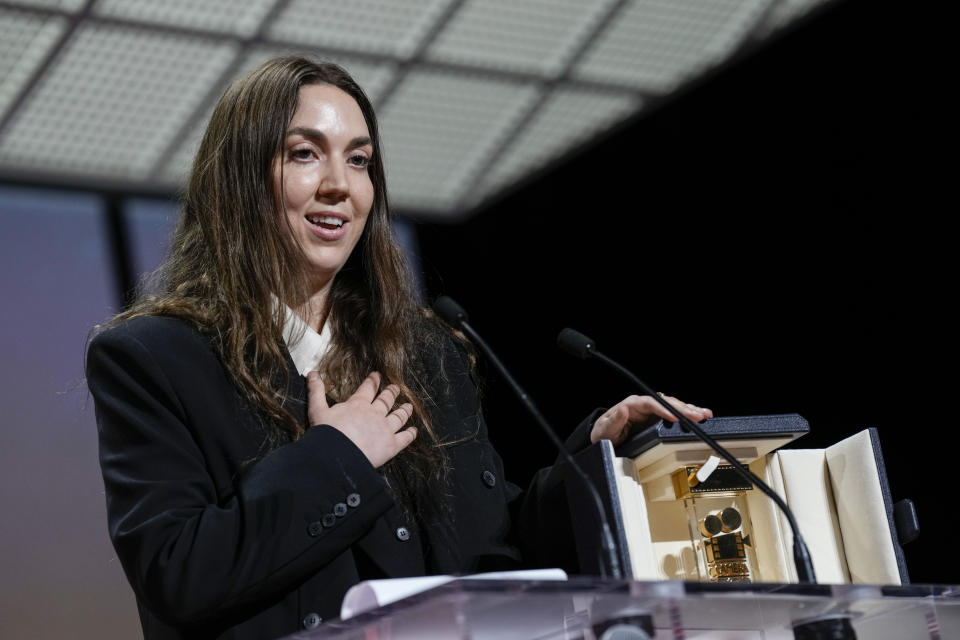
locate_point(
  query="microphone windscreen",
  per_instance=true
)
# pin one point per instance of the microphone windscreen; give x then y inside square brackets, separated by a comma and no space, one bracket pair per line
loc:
[575,343]
[451,313]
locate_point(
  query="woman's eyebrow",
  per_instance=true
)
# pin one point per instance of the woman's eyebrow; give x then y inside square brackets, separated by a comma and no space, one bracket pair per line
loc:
[319,136]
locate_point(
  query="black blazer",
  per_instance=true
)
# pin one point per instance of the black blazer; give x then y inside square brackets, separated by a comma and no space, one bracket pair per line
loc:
[221,541]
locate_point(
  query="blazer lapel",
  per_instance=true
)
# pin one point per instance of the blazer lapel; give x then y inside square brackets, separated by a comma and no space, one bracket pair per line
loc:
[296,397]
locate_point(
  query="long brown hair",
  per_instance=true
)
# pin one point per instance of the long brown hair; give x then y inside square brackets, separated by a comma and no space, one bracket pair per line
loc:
[232,252]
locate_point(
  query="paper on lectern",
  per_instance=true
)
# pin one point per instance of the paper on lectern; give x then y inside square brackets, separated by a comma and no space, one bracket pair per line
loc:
[376,593]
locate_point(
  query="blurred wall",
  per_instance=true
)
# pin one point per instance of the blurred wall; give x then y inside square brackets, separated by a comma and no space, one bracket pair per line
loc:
[60,577]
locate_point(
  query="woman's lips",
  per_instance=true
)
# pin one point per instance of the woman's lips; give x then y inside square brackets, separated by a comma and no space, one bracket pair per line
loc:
[327,226]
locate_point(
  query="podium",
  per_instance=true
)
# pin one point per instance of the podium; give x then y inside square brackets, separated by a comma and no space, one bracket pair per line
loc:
[587,608]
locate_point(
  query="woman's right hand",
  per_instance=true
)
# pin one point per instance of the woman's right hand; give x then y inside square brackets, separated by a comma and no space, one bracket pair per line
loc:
[367,417]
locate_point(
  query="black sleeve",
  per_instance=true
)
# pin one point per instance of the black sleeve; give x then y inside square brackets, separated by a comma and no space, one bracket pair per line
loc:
[544,517]
[191,553]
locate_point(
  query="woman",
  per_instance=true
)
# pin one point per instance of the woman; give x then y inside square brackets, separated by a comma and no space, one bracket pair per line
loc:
[244,499]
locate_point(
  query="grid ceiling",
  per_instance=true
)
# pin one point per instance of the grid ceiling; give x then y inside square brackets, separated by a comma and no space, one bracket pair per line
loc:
[473,95]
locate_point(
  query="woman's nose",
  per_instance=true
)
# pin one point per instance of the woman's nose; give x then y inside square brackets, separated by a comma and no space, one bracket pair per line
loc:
[333,183]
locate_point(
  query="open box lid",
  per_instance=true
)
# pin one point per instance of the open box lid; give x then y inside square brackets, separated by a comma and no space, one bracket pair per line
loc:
[844,489]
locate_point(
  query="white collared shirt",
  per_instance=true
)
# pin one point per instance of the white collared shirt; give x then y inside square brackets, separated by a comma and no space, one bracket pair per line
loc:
[309,349]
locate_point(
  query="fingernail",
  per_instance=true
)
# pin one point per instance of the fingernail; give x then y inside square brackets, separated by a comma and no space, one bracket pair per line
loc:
[312,376]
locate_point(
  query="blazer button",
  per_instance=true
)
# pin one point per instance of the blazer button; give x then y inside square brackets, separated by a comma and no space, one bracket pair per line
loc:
[328,520]
[314,529]
[339,509]
[403,534]
[311,621]
[489,479]
[353,500]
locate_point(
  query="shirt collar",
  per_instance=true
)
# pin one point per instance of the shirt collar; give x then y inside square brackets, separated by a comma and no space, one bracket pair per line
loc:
[306,346]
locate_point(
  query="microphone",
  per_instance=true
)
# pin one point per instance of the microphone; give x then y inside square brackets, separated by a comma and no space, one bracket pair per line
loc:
[575,343]
[579,345]
[454,315]
[451,313]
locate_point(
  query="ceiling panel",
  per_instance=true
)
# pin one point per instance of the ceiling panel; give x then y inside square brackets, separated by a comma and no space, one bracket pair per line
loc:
[377,26]
[786,11]
[568,119]
[655,44]
[25,40]
[538,36]
[439,127]
[111,100]
[228,16]
[63,5]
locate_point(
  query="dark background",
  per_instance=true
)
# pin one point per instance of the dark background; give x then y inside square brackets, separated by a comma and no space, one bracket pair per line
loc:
[766,242]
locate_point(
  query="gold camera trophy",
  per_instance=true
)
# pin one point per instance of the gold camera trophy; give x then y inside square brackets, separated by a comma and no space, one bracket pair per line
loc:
[681,513]
[719,533]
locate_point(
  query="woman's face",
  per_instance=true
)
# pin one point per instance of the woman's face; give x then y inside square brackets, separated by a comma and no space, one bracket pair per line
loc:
[323,179]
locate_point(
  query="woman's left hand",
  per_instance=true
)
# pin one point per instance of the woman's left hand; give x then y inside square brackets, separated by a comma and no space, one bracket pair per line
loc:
[638,412]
